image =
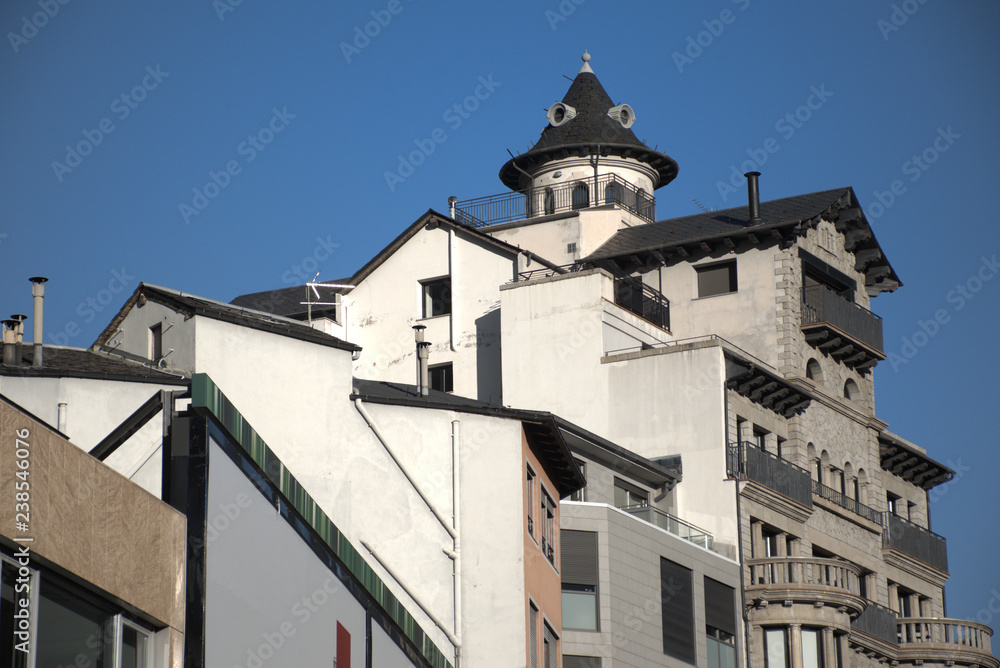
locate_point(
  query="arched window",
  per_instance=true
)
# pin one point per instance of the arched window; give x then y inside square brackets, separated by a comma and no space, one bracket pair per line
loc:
[850,481]
[813,370]
[550,201]
[824,466]
[644,204]
[851,390]
[581,196]
[861,486]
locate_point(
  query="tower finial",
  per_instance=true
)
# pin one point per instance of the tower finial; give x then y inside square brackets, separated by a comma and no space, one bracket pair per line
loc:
[586,62]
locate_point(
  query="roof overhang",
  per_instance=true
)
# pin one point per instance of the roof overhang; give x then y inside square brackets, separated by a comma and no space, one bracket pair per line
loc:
[903,459]
[751,380]
[511,173]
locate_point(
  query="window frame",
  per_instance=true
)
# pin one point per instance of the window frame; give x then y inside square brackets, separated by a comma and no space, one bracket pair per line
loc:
[549,519]
[427,303]
[529,488]
[703,269]
[449,377]
[630,489]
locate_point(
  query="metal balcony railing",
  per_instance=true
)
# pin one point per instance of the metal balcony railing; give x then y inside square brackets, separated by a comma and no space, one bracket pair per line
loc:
[805,573]
[748,462]
[674,525]
[646,302]
[820,304]
[844,501]
[877,621]
[916,541]
[569,196]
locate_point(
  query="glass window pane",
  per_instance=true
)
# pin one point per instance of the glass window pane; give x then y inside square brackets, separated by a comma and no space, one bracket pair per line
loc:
[579,610]
[9,654]
[134,647]
[811,648]
[775,653]
[727,656]
[72,631]
[713,653]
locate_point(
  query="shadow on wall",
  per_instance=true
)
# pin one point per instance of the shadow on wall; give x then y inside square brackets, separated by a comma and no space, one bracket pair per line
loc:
[488,373]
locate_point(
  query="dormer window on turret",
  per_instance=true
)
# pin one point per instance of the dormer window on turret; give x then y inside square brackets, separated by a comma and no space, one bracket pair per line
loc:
[560,113]
[623,114]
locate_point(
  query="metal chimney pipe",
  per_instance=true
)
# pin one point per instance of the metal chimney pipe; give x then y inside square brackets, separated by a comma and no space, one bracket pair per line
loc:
[452,201]
[418,336]
[38,292]
[753,194]
[9,342]
[19,337]
[61,419]
[423,355]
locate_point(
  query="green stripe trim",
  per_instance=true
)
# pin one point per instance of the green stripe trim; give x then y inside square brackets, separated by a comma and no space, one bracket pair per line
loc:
[205,394]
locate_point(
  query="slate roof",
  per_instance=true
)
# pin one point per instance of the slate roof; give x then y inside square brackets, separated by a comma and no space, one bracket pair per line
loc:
[286,302]
[62,362]
[192,305]
[581,134]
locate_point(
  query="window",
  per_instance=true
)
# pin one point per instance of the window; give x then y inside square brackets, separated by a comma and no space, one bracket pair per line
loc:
[529,503]
[614,192]
[548,517]
[581,196]
[851,390]
[580,494]
[776,648]
[550,201]
[677,603]
[436,297]
[627,494]
[837,481]
[772,543]
[814,371]
[575,661]
[759,437]
[156,342]
[533,634]
[892,503]
[441,378]
[720,624]
[550,647]
[716,279]
[781,448]
[579,580]
[812,648]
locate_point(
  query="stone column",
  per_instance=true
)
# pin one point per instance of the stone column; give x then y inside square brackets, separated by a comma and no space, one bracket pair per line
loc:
[829,648]
[796,649]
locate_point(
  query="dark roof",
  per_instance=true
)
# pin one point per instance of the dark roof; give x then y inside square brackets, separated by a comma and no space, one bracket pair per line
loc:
[581,134]
[60,362]
[542,429]
[192,305]
[903,459]
[283,300]
[781,217]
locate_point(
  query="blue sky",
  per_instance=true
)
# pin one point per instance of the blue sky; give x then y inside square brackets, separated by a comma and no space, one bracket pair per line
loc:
[222,148]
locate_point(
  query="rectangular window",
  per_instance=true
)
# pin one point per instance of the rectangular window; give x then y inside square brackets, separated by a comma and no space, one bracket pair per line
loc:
[677,603]
[759,438]
[892,503]
[436,297]
[741,429]
[720,624]
[781,448]
[574,661]
[441,377]
[716,279]
[548,518]
[579,574]
[529,503]
[156,342]
[627,494]
[550,645]
[533,634]
[812,648]
[776,648]
[580,494]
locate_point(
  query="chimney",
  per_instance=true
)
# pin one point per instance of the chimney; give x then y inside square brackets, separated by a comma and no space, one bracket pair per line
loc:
[9,342]
[38,292]
[19,337]
[754,196]
[423,353]
[452,202]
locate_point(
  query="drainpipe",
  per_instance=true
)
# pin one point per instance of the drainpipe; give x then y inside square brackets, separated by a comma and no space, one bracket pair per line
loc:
[456,464]
[38,292]
[739,528]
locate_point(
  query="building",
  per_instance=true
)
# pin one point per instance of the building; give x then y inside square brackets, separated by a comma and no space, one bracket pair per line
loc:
[740,342]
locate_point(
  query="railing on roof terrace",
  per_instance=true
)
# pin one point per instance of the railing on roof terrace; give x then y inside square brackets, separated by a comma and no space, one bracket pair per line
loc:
[674,525]
[569,196]
[635,296]
[821,304]
[844,501]
[877,621]
[915,540]
[748,462]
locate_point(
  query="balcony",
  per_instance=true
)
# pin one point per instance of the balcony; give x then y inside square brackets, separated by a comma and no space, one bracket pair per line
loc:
[878,622]
[671,524]
[636,297]
[806,579]
[915,541]
[948,641]
[747,462]
[844,501]
[845,331]
[570,196]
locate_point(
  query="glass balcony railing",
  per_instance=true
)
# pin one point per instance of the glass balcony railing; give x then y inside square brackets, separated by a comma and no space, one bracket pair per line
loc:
[674,525]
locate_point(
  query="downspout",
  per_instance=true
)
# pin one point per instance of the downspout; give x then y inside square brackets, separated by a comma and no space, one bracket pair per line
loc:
[456,463]
[739,526]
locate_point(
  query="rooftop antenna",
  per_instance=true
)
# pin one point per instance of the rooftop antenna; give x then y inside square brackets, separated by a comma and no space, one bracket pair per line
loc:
[312,290]
[700,206]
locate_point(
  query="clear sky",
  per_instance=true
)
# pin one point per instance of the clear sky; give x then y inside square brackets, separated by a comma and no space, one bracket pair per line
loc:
[234,146]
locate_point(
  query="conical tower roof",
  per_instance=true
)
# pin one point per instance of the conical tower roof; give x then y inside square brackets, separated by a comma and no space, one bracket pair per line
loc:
[581,135]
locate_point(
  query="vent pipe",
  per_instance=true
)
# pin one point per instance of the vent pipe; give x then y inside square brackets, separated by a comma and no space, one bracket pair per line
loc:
[61,417]
[19,337]
[423,353]
[38,292]
[753,194]
[9,342]
[452,202]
